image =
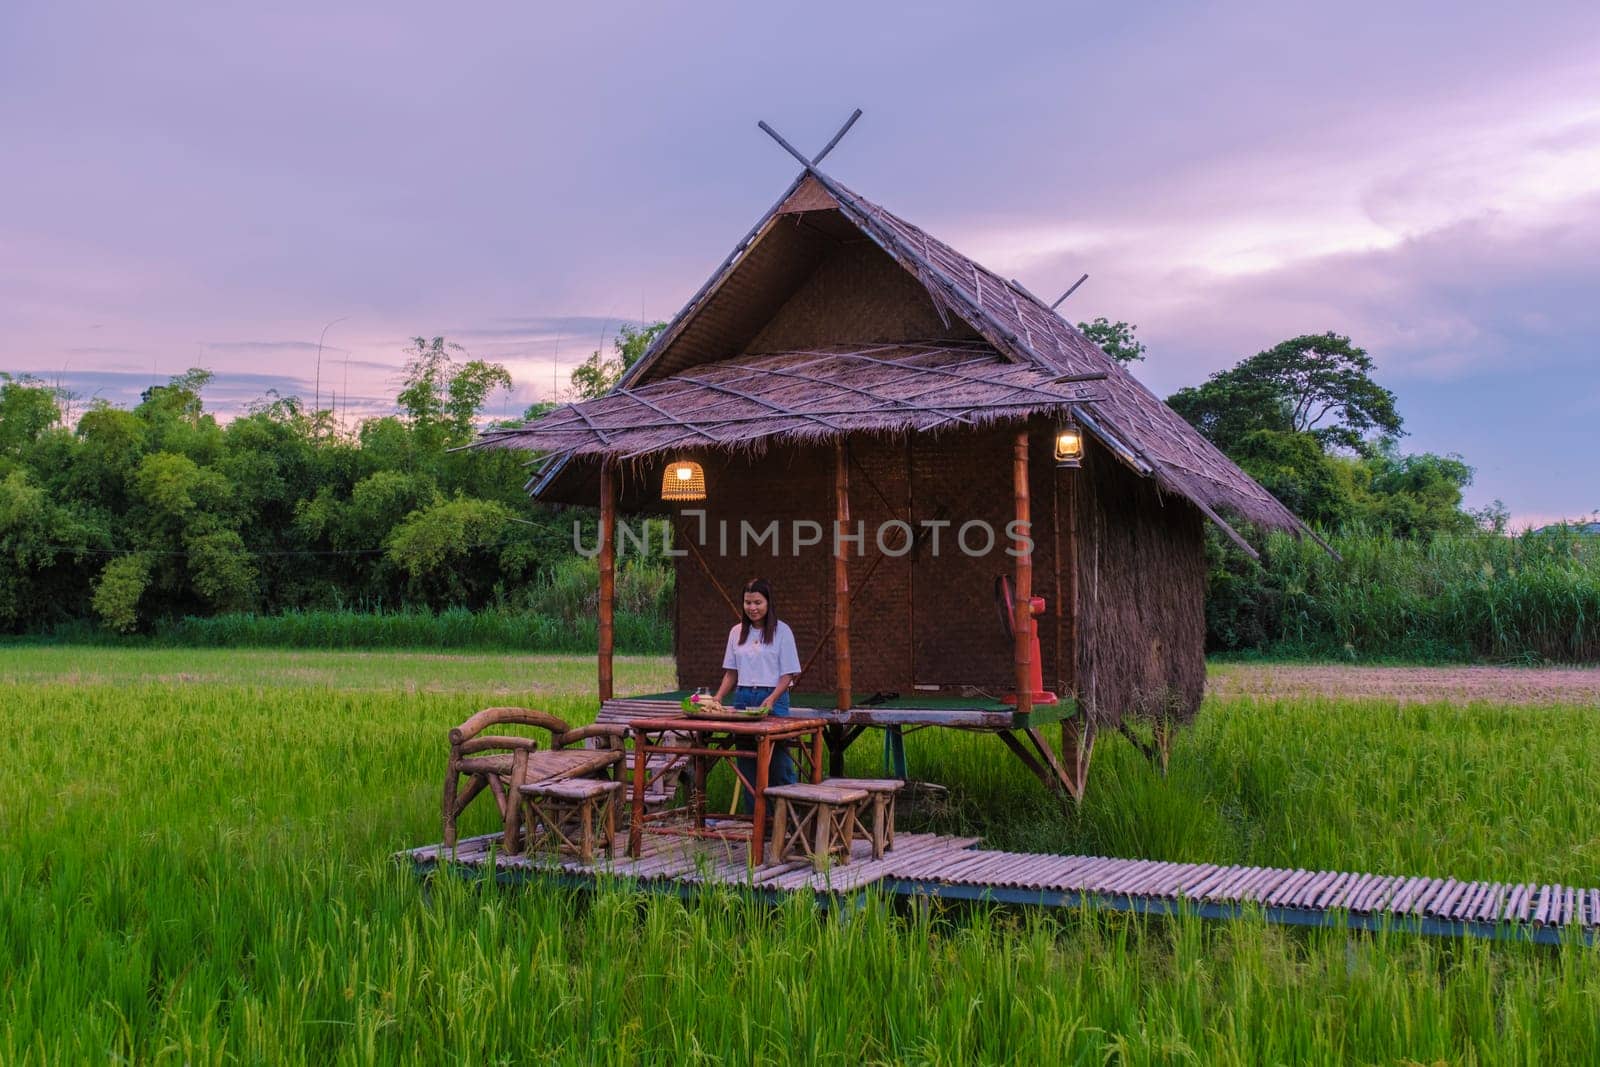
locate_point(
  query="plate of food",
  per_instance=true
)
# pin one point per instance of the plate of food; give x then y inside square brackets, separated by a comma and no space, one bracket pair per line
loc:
[707,707]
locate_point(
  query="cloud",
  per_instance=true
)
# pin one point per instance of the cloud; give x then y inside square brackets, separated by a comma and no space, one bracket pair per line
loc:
[1418,177]
[267,346]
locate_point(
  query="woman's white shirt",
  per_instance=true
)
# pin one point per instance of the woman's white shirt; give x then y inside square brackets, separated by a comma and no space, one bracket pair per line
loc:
[759,663]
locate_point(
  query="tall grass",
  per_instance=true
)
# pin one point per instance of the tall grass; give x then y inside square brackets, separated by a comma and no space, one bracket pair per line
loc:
[453,629]
[555,613]
[1529,599]
[197,871]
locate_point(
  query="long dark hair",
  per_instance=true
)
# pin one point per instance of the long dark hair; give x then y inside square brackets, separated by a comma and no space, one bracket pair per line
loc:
[769,624]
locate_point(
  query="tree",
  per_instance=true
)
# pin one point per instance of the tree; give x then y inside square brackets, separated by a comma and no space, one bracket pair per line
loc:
[441,398]
[1294,468]
[596,375]
[1320,384]
[27,409]
[1115,339]
[449,549]
[1415,495]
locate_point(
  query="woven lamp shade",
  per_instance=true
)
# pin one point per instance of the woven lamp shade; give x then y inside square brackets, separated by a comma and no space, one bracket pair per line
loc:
[683,480]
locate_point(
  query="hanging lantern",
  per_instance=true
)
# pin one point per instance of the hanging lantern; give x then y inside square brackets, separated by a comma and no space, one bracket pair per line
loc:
[683,480]
[1069,444]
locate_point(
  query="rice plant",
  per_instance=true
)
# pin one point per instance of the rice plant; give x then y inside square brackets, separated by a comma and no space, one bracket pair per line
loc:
[194,866]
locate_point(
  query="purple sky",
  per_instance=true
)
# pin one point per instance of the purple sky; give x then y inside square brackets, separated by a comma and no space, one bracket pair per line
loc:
[212,184]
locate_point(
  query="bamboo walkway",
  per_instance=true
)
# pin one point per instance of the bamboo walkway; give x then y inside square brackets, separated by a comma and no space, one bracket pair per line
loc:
[950,868]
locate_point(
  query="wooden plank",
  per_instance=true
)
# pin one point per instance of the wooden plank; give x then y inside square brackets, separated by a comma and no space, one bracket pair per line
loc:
[1429,904]
[1271,881]
[1461,908]
[1324,888]
[1092,875]
[1308,892]
[1260,881]
[1227,887]
[1170,882]
[956,871]
[1488,908]
[1232,888]
[1128,877]
[1383,897]
[1197,877]
[1525,901]
[1281,891]
[1349,890]
[1404,895]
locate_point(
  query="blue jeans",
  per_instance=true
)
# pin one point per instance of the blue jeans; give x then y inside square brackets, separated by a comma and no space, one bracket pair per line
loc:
[783,770]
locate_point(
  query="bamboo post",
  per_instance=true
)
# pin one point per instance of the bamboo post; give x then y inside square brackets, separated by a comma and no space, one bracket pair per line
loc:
[1068,607]
[841,577]
[608,573]
[1022,623]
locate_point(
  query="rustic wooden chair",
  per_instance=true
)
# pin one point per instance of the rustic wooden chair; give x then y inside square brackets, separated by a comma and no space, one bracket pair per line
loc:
[502,764]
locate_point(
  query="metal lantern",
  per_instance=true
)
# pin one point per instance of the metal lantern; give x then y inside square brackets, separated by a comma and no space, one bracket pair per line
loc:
[1069,444]
[683,480]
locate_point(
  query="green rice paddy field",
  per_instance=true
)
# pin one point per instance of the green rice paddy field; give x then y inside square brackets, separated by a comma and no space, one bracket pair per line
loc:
[194,867]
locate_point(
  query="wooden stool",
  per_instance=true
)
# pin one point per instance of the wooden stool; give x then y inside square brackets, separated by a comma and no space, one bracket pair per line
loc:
[882,791]
[825,818]
[562,813]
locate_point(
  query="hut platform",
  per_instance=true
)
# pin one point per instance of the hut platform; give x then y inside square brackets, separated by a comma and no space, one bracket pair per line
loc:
[950,868]
[914,709]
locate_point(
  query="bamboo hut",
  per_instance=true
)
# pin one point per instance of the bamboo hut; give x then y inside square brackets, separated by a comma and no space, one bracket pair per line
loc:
[845,370]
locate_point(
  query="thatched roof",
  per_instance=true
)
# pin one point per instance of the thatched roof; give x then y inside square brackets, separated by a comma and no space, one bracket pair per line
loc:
[706,342]
[747,402]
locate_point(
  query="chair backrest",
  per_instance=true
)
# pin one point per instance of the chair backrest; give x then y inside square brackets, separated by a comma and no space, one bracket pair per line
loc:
[488,717]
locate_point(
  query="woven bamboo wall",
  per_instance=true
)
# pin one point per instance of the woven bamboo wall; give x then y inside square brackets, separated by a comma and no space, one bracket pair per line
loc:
[784,484]
[1141,595]
[920,618]
[856,294]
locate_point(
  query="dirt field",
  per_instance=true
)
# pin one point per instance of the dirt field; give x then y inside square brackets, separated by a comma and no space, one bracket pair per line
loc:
[1410,685]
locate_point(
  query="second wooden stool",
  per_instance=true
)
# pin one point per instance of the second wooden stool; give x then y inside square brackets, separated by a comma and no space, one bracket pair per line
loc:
[882,792]
[568,813]
[823,818]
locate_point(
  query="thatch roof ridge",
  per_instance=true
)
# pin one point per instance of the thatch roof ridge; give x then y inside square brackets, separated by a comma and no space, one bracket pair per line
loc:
[1180,458]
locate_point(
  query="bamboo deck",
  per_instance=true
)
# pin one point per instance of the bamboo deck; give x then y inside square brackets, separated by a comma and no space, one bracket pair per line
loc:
[949,867]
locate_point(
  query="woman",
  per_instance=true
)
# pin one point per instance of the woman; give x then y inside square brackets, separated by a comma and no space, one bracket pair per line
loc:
[759,666]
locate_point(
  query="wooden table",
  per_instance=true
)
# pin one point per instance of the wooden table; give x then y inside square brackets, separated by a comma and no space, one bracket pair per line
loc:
[714,739]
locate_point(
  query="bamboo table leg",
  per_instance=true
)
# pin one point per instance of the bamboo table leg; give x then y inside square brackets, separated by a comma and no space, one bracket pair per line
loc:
[758,826]
[698,801]
[816,758]
[636,824]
